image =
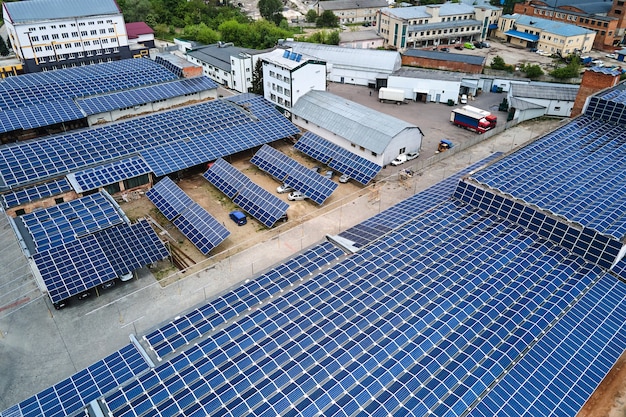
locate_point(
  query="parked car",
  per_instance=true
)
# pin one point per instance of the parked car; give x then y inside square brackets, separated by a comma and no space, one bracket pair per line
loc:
[344,178]
[400,159]
[296,196]
[126,277]
[478,45]
[108,284]
[464,99]
[485,44]
[613,56]
[283,218]
[329,174]
[533,49]
[83,295]
[317,168]
[469,45]
[445,49]
[284,188]
[238,217]
[412,155]
[458,46]
[61,304]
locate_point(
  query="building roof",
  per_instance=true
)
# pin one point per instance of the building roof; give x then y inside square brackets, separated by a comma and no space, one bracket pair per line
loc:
[42,10]
[547,91]
[445,25]
[415,12]
[285,59]
[372,60]
[551,26]
[446,56]
[588,6]
[217,55]
[431,74]
[522,104]
[358,124]
[352,4]
[136,29]
[359,35]
[522,35]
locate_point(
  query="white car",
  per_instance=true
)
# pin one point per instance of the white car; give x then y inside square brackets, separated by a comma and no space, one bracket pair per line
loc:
[613,56]
[344,178]
[400,159]
[296,196]
[412,155]
[464,99]
[284,188]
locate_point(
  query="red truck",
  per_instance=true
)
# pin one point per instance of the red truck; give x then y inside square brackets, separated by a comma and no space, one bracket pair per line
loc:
[473,118]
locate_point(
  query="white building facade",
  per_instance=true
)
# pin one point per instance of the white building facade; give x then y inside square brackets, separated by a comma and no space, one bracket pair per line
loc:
[52,34]
[287,76]
[226,64]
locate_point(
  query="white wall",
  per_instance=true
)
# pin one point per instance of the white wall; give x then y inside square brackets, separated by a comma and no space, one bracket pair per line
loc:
[283,86]
[351,76]
[241,68]
[216,74]
[447,90]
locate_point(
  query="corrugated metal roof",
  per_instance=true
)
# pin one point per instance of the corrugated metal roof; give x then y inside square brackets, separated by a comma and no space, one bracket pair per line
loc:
[352,4]
[563,92]
[551,26]
[588,6]
[415,12]
[42,10]
[359,124]
[446,56]
[430,74]
[524,105]
[371,60]
[215,55]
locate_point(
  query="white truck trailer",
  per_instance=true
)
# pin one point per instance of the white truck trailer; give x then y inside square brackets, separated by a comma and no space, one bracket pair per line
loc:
[391,95]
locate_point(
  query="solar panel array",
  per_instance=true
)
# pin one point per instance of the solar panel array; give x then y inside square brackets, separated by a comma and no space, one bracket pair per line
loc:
[373,228]
[197,224]
[142,95]
[585,242]
[202,229]
[39,115]
[73,267]
[130,247]
[261,204]
[258,202]
[427,320]
[37,192]
[609,106]
[51,86]
[74,393]
[169,198]
[582,182]
[173,63]
[338,158]
[226,178]
[168,141]
[202,320]
[68,221]
[102,175]
[294,174]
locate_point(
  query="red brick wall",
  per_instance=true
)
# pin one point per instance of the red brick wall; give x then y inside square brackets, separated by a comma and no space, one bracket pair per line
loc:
[592,83]
[441,65]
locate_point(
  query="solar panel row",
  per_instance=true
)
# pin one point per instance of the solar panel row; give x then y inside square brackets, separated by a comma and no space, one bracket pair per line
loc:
[102,175]
[37,192]
[201,321]
[65,222]
[555,181]
[373,228]
[202,229]
[39,115]
[72,394]
[422,321]
[585,242]
[336,157]
[258,202]
[142,95]
[294,174]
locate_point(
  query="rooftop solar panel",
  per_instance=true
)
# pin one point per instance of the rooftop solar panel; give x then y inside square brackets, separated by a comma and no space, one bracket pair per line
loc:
[169,198]
[274,162]
[130,247]
[73,267]
[68,221]
[39,115]
[142,95]
[202,229]
[226,178]
[74,393]
[261,204]
[100,176]
[37,192]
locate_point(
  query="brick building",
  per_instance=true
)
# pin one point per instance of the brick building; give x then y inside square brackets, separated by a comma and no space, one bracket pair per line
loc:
[443,61]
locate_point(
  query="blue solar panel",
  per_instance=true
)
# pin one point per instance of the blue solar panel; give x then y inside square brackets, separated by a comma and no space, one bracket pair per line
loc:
[72,394]
[261,204]
[200,133]
[226,178]
[37,192]
[169,198]
[39,115]
[129,247]
[292,173]
[73,267]
[202,229]
[143,95]
[68,221]
[100,176]
[338,158]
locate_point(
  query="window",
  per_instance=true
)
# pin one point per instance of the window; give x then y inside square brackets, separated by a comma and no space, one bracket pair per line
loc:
[87,43]
[34,38]
[55,36]
[111,30]
[557,108]
[65,35]
[45,37]
[102,31]
[48,48]
[68,45]
[100,22]
[374,154]
[58,46]
[402,150]
[61,26]
[93,32]
[81,24]
[41,28]
[75,34]
[31,29]
[83,33]
[37,49]
[77,44]
[105,41]
[90,23]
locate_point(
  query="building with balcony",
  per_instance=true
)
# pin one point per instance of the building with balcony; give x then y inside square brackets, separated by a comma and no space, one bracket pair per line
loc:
[52,34]
[435,24]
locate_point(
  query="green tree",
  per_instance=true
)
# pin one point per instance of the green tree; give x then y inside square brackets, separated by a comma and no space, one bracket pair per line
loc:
[271,10]
[327,20]
[200,33]
[4,51]
[498,63]
[257,78]
[311,16]
[333,38]
[532,71]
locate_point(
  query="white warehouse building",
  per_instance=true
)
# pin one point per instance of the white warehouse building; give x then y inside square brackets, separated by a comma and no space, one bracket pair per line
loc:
[365,132]
[427,86]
